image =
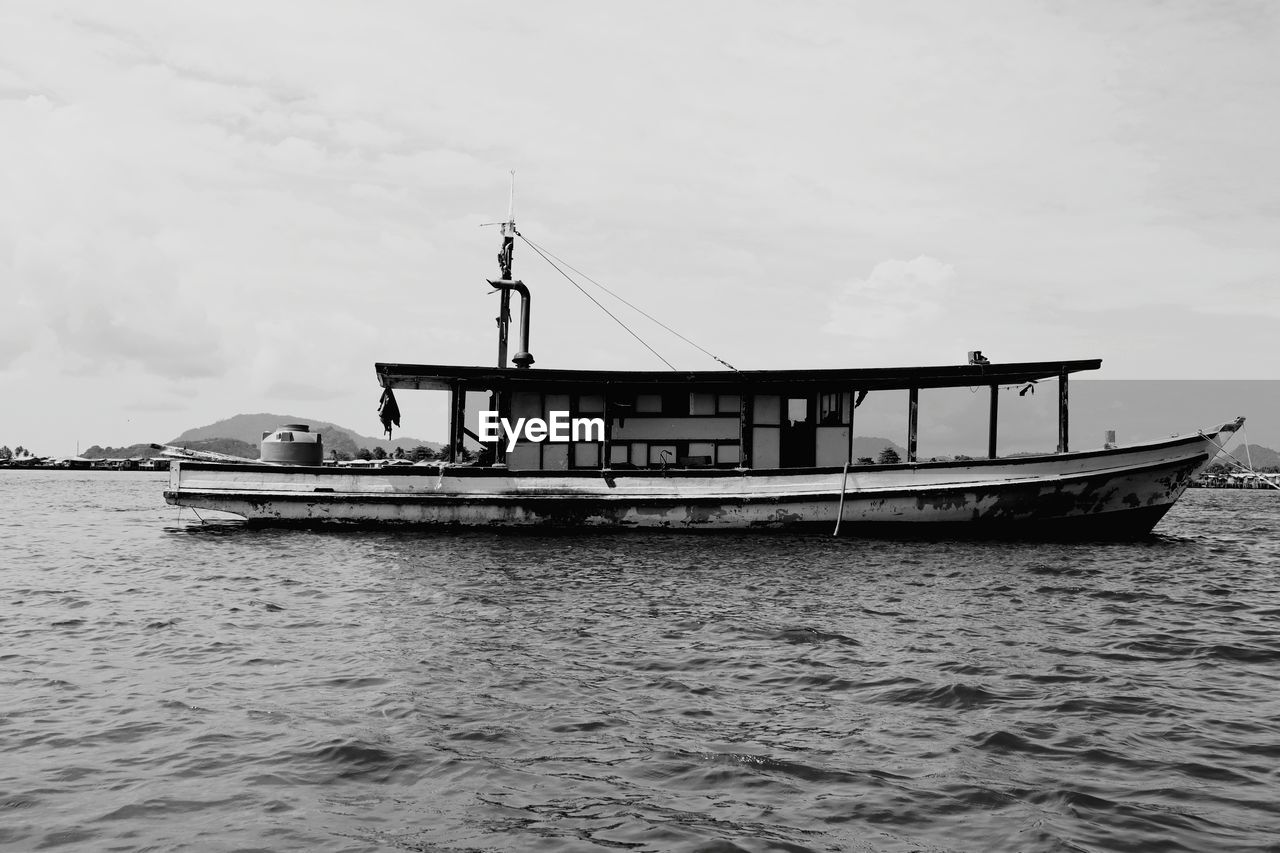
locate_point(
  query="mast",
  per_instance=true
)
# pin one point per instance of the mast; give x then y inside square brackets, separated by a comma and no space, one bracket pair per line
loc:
[505,257]
[508,283]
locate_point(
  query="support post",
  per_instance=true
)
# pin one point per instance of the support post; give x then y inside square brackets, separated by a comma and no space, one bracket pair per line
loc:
[504,323]
[1063,425]
[453,422]
[913,412]
[745,427]
[993,421]
[502,405]
[606,446]
[853,398]
[457,422]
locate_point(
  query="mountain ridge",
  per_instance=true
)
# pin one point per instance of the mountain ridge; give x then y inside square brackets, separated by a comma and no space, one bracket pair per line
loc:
[1262,457]
[250,427]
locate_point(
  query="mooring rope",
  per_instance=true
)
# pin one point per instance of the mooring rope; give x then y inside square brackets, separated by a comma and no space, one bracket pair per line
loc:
[844,487]
[1246,468]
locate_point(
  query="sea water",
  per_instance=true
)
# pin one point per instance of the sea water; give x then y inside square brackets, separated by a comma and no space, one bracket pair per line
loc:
[172,685]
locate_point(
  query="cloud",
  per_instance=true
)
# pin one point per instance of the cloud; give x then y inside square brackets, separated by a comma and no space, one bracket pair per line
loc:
[896,299]
[229,192]
[292,389]
[98,299]
[17,333]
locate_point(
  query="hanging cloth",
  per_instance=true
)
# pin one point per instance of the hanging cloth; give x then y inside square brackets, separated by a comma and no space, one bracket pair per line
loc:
[388,410]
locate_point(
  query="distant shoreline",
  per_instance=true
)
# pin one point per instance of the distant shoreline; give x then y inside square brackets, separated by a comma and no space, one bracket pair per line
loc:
[66,468]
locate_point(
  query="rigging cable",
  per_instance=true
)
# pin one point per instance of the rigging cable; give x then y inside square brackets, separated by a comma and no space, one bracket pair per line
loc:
[638,310]
[596,301]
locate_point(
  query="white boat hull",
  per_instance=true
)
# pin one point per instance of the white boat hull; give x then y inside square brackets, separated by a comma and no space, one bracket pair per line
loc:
[1116,492]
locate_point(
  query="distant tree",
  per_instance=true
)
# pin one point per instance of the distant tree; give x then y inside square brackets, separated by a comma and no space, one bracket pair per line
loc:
[889,456]
[422,452]
[865,460]
[399,454]
[363,453]
[6,453]
[379,453]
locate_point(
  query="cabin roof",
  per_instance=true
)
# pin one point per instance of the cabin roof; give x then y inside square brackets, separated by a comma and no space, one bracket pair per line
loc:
[443,377]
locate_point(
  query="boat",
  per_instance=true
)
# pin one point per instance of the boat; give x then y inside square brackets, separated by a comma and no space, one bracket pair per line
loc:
[703,450]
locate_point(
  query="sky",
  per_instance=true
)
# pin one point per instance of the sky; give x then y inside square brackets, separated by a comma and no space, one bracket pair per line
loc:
[208,209]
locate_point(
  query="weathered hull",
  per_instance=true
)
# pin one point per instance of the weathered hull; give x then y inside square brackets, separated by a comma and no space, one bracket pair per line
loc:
[1116,493]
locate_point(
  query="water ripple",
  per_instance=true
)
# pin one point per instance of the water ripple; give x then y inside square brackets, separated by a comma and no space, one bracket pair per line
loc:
[171,685]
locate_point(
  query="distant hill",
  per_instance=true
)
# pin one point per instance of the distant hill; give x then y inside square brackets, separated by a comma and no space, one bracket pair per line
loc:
[869,445]
[229,446]
[1263,457]
[249,429]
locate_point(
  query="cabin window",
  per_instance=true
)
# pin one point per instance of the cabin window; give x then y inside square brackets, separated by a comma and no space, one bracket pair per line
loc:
[640,454]
[667,426]
[833,408]
[556,403]
[662,454]
[555,457]
[699,449]
[525,457]
[797,439]
[832,446]
[765,450]
[679,454]
[526,404]
[702,404]
[765,409]
[675,403]
[586,455]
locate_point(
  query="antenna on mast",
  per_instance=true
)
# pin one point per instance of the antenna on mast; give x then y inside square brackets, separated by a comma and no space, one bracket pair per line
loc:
[511,202]
[507,254]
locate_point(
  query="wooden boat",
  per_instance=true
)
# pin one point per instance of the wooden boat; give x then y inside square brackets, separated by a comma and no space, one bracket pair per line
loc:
[708,450]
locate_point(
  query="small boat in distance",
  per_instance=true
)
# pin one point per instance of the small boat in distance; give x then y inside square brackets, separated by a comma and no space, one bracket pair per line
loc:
[705,450]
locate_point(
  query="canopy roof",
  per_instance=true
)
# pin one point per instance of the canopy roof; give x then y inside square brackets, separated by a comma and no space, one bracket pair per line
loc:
[444,377]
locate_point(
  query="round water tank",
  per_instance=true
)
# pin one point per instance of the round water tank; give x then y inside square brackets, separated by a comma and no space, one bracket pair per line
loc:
[293,444]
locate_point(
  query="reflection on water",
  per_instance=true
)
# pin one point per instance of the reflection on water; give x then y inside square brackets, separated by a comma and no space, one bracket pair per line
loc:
[169,684]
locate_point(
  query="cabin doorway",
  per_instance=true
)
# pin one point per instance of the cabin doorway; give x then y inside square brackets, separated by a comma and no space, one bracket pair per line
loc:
[798,442]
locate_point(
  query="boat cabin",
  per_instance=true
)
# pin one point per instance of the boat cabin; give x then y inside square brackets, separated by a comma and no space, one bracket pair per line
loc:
[735,419]
[764,420]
